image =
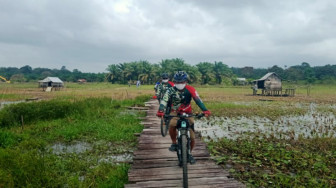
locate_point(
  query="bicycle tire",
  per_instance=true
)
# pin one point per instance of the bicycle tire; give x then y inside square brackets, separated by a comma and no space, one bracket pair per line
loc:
[184,160]
[164,128]
[167,124]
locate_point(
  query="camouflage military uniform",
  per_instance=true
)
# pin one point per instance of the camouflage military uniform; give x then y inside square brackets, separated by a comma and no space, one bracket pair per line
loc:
[180,103]
[162,88]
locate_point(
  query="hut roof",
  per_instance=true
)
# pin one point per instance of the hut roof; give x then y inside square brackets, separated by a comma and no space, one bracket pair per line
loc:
[266,76]
[52,79]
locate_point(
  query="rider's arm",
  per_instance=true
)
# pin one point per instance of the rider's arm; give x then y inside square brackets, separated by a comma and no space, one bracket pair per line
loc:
[196,98]
[171,84]
[165,100]
[158,91]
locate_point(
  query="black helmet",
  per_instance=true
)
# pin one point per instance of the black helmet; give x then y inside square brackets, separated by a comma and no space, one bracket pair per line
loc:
[180,76]
[165,76]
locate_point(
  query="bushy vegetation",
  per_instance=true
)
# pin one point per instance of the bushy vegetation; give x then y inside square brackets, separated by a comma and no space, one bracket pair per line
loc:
[261,161]
[27,73]
[274,110]
[202,73]
[45,110]
[26,155]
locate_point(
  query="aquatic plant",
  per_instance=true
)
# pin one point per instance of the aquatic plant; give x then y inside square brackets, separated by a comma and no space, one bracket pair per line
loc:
[270,162]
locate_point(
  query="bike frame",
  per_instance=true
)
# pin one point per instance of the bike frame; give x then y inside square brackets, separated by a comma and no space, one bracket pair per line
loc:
[183,141]
[183,128]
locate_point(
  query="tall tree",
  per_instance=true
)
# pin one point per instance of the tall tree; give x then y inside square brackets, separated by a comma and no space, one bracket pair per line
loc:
[278,70]
[206,70]
[114,73]
[221,71]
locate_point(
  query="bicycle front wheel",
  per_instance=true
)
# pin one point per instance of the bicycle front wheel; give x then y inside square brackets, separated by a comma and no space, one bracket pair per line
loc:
[184,160]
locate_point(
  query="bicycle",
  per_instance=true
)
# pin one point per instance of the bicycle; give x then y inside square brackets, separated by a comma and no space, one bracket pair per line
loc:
[183,142]
[165,125]
[165,121]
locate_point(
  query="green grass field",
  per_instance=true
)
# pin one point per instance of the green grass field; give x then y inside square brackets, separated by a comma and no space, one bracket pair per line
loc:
[100,127]
[93,116]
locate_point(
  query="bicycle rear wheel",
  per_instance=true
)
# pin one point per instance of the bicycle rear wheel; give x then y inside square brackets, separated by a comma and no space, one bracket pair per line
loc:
[184,160]
[164,127]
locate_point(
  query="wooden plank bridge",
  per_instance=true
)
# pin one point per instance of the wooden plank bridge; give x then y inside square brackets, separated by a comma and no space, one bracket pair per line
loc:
[155,166]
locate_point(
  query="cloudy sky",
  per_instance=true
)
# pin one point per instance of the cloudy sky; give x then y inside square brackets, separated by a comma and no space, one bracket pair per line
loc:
[91,34]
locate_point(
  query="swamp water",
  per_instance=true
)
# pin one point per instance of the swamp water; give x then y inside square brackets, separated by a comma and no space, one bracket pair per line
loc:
[309,125]
[83,147]
[4,103]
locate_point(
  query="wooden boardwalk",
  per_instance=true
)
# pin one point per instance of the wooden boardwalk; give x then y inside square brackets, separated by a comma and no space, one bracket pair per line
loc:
[155,166]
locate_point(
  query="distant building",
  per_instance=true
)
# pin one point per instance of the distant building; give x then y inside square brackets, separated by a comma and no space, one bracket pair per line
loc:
[241,81]
[270,84]
[81,81]
[51,83]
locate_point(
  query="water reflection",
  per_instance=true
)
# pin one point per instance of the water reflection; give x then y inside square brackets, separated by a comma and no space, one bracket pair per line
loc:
[77,147]
[309,125]
[4,103]
[82,147]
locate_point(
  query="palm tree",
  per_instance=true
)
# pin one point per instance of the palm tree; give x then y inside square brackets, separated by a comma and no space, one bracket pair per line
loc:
[221,71]
[206,70]
[114,73]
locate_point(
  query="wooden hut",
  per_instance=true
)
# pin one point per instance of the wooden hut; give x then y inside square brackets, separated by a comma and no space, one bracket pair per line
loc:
[241,81]
[270,84]
[51,83]
[81,81]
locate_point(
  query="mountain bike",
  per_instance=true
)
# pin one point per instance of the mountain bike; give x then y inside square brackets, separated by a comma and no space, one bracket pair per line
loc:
[183,141]
[164,125]
[165,121]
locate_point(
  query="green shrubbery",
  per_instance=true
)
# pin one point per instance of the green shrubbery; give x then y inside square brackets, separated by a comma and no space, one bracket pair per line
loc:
[26,157]
[34,111]
[54,109]
[269,162]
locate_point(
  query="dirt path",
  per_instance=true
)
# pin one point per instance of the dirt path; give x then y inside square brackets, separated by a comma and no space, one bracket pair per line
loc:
[155,166]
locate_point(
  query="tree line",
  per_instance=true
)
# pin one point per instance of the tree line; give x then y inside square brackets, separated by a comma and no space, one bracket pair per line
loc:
[27,74]
[201,73]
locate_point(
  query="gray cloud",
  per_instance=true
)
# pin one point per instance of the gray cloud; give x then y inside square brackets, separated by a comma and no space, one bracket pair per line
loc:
[90,35]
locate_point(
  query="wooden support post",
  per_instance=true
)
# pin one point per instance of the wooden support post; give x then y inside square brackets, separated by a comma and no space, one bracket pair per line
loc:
[22,123]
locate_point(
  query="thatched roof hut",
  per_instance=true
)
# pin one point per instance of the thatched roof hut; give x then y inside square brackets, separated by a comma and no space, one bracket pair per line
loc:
[271,81]
[52,82]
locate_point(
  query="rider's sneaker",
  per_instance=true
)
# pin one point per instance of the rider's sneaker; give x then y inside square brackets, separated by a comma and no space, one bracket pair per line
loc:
[191,159]
[173,147]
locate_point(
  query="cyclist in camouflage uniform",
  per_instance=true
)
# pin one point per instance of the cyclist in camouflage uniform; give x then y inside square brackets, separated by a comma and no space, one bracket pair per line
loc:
[163,86]
[180,96]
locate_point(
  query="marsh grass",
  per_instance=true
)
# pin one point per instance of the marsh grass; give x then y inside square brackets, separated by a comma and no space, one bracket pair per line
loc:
[269,162]
[74,91]
[260,161]
[26,155]
[270,110]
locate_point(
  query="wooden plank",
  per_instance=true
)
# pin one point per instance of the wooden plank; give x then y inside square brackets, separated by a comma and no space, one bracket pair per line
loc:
[167,163]
[175,176]
[199,182]
[168,170]
[155,166]
[165,151]
[164,146]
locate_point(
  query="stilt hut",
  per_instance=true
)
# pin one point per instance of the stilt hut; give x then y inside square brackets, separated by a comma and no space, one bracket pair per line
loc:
[270,84]
[51,83]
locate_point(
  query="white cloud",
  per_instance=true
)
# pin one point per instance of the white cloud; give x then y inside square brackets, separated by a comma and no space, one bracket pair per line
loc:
[94,34]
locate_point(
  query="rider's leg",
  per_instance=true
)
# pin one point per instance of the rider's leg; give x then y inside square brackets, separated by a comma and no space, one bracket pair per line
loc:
[192,140]
[192,134]
[192,144]
[173,134]
[172,129]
